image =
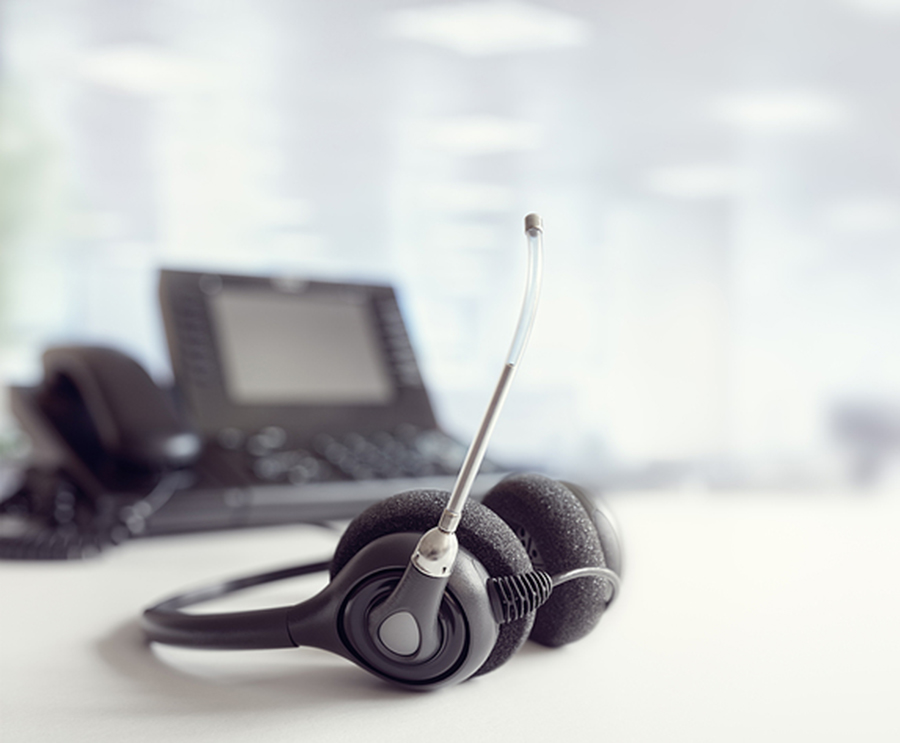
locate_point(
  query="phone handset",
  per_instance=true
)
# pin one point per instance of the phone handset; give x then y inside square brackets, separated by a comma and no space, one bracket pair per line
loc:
[131,419]
[109,451]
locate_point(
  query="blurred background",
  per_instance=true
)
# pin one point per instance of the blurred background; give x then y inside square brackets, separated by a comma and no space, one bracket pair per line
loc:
[719,181]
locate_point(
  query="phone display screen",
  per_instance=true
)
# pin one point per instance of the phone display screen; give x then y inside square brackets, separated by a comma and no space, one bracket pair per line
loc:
[296,349]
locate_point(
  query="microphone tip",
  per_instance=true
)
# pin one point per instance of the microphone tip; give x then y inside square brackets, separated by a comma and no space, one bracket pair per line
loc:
[534,222]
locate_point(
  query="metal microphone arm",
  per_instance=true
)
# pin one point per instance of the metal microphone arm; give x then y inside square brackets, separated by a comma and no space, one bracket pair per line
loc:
[437,549]
[406,622]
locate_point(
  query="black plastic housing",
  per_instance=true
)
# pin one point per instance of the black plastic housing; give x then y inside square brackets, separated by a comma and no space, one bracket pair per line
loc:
[337,619]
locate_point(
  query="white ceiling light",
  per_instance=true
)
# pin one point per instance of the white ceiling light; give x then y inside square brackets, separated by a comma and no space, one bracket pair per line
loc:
[142,68]
[466,197]
[285,212]
[701,181]
[881,8]
[783,111]
[479,135]
[870,216]
[460,236]
[481,28]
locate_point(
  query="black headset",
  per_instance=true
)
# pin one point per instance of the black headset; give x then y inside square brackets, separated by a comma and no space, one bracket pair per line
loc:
[427,588]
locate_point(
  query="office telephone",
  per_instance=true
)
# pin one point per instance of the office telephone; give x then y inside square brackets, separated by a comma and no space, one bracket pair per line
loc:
[293,400]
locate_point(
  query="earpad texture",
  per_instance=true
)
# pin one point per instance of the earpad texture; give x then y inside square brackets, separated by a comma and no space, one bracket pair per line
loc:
[561,537]
[481,532]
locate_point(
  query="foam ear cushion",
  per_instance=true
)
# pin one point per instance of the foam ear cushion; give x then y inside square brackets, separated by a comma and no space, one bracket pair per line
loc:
[560,536]
[480,531]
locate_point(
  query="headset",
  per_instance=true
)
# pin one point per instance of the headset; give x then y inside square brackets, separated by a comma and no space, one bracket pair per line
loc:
[428,588]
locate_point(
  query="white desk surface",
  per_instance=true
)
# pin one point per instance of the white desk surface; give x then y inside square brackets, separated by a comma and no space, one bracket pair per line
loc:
[743,617]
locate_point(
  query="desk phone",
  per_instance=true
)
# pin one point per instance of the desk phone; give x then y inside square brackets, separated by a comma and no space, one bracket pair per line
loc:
[293,400]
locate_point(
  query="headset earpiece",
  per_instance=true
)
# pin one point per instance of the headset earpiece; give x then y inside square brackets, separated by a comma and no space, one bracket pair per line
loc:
[481,533]
[605,525]
[559,535]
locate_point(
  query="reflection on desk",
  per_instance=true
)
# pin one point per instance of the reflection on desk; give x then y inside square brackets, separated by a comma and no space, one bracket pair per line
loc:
[742,617]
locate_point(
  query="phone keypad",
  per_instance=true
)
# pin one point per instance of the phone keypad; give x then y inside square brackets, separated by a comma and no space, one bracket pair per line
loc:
[404,453]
